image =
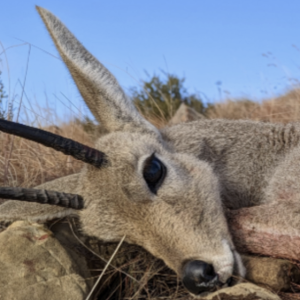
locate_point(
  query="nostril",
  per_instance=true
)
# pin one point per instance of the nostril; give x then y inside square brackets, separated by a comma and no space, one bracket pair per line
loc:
[198,277]
[209,272]
[230,281]
[199,271]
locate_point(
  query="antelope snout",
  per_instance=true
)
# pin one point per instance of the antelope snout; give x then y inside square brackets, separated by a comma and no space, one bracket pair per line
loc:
[199,277]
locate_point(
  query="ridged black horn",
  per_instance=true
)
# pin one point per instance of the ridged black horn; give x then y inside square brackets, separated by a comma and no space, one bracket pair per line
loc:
[59,143]
[42,196]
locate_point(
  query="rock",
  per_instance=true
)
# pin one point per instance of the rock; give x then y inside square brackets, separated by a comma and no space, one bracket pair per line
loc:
[243,291]
[185,114]
[74,248]
[34,265]
[278,274]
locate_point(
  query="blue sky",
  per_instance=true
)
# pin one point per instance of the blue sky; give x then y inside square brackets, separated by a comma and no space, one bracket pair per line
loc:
[248,46]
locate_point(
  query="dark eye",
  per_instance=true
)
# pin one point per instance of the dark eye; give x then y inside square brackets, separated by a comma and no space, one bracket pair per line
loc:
[154,173]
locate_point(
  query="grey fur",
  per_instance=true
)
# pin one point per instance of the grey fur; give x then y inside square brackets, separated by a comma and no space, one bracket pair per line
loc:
[211,164]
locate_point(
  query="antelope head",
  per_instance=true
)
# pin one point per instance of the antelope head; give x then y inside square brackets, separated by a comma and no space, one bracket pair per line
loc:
[134,182]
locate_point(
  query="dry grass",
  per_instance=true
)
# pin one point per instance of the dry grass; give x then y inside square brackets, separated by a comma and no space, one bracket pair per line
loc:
[283,109]
[27,164]
[152,279]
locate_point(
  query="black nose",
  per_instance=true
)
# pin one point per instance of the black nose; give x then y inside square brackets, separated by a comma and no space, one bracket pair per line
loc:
[199,277]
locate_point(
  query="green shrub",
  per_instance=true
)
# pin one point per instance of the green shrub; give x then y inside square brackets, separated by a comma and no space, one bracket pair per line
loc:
[162,97]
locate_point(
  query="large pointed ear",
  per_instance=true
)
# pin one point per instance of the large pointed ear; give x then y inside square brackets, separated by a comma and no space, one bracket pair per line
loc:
[98,87]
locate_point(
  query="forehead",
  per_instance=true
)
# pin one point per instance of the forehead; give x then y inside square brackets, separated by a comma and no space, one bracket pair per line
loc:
[129,146]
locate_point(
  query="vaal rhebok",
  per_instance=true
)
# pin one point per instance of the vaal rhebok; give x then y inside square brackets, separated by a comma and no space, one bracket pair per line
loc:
[165,190]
